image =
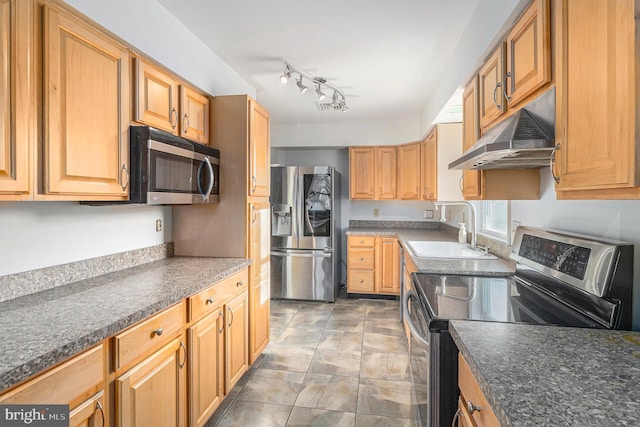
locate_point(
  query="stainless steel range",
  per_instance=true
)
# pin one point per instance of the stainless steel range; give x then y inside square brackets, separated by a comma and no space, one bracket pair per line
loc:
[561,279]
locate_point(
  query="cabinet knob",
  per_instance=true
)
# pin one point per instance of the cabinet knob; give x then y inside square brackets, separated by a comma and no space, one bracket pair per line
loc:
[361,281]
[240,283]
[361,259]
[209,301]
[157,332]
[472,408]
[361,241]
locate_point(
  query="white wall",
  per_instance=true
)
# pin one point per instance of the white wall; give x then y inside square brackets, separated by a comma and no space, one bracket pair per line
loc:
[42,234]
[318,135]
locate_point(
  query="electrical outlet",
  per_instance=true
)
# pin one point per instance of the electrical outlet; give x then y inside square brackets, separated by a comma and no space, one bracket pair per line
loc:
[158,225]
[376,213]
[428,214]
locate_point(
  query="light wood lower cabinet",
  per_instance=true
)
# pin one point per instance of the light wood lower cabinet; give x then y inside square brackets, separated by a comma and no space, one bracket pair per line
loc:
[236,339]
[473,408]
[259,276]
[373,265]
[78,382]
[153,392]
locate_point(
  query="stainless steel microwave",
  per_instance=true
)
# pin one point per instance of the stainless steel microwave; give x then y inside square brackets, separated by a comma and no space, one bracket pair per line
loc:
[169,170]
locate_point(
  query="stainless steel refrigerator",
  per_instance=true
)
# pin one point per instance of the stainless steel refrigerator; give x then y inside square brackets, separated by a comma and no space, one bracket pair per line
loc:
[305,229]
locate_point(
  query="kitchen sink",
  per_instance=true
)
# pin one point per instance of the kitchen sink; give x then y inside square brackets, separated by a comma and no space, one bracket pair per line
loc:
[447,250]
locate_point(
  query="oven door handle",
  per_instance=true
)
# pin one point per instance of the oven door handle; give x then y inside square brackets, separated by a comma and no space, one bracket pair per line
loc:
[407,318]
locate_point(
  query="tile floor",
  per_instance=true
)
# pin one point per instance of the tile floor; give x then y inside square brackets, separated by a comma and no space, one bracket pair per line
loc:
[342,364]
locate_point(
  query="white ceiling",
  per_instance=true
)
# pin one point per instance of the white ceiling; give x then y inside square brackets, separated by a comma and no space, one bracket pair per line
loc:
[387,56]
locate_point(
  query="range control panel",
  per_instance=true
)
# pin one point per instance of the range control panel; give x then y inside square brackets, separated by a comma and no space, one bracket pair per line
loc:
[563,257]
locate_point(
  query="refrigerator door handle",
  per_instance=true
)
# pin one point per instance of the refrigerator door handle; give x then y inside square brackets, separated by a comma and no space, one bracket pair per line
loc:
[303,254]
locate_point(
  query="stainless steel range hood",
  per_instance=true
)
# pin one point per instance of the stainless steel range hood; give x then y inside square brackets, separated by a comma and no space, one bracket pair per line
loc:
[524,140]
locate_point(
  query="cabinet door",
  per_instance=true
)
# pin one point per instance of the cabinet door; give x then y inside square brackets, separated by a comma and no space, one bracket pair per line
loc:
[409,171]
[259,270]
[156,102]
[206,367]
[152,393]
[86,144]
[236,340]
[429,162]
[389,266]
[385,173]
[90,413]
[529,53]
[596,111]
[490,77]
[15,99]
[194,115]
[361,173]
[259,163]
[471,179]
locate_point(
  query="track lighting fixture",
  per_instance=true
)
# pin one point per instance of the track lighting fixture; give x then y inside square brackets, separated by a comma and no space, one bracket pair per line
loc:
[321,95]
[286,75]
[302,87]
[338,102]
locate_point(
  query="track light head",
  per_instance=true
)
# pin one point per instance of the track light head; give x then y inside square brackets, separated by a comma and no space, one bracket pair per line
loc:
[319,92]
[302,87]
[284,78]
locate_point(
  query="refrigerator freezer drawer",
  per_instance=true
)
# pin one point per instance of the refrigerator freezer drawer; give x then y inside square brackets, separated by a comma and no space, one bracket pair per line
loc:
[305,275]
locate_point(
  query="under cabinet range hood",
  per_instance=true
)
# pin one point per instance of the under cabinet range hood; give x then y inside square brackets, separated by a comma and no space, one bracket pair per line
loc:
[523,140]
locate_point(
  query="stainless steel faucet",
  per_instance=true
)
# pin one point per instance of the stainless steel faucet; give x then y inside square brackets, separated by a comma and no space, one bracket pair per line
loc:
[472,216]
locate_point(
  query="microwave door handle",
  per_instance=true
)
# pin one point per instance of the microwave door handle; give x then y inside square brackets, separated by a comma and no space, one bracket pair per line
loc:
[198,180]
[211,178]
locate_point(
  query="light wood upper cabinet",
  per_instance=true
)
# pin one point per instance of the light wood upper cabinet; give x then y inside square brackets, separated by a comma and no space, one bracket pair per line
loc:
[260,285]
[194,114]
[429,162]
[385,173]
[596,47]
[362,173]
[529,53]
[16,100]
[156,102]
[471,179]
[409,171]
[490,94]
[259,150]
[86,150]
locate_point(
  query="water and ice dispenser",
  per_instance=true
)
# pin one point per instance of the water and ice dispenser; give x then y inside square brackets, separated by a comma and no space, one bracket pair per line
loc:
[281,220]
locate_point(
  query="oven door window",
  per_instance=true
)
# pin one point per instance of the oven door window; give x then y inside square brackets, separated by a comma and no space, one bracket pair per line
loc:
[171,173]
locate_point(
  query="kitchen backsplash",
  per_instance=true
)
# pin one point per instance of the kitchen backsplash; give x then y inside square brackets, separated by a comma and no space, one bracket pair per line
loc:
[357,223]
[29,282]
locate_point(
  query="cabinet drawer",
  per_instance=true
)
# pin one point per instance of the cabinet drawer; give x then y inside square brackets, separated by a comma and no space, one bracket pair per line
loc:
[69,383]
[144,338]
[361,241]
[214,296]
[470,392]
[360,281]
[361,258]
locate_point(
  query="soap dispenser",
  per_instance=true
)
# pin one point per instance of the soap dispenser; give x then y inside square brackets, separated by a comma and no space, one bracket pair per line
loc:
[462,234]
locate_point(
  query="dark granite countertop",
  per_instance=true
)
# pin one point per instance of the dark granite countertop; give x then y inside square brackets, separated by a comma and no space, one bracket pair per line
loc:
[554,376]
[497,267]
[45,328]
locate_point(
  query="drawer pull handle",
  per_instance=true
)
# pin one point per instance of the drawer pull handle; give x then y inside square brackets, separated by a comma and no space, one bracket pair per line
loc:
[472,408]
[361,241]
[221,316]
[157,332]
[185,355]
[209,301]
[361,259]
[99,408]
[240,283]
